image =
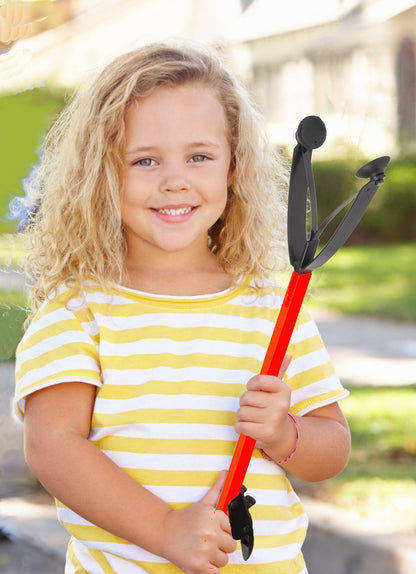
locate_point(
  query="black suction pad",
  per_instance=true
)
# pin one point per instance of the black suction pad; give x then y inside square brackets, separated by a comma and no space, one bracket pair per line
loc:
[311,132]
[373,168]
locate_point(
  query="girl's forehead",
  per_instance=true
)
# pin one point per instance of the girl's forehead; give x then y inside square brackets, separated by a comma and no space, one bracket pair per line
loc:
[192,95]
[171,111]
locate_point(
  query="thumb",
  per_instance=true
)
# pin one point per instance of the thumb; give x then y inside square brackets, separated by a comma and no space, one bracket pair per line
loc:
[213,494]
[284,366]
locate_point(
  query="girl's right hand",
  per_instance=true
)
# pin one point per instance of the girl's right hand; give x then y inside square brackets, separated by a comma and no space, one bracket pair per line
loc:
[198,538]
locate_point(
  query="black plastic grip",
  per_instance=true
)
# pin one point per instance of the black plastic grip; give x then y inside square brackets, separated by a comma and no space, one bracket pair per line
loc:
[241,521]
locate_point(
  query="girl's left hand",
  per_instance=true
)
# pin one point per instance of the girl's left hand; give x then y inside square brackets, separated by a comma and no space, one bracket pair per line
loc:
[263,412]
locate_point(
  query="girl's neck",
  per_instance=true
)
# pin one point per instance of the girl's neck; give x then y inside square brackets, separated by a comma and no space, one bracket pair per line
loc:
[177,280]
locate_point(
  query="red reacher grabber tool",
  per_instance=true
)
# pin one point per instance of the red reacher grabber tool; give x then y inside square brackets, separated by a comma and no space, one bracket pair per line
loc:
[303,241]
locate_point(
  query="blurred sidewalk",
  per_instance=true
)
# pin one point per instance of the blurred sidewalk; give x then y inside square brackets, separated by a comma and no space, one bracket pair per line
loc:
[34,542]
[334,544]
[369,351]
[13,280]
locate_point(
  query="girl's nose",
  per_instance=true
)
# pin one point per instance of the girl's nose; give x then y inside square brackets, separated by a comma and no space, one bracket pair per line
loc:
[174,179]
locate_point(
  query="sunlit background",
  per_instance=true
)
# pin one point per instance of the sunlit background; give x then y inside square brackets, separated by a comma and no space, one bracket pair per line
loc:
[352,62]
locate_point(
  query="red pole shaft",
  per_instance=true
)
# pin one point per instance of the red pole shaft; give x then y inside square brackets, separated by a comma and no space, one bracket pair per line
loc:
[273,359]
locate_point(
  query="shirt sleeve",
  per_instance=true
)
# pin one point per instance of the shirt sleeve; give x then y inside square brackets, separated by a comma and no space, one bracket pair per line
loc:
[311,374]
[60,346]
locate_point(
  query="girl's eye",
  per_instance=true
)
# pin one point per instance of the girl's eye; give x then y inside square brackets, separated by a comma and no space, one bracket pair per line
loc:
[199,157]
[144,162]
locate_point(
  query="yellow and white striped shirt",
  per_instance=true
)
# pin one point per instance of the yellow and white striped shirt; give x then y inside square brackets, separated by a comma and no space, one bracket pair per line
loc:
[169,372]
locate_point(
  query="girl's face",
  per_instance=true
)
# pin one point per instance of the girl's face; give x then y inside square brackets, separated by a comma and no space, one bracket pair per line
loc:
[177,164]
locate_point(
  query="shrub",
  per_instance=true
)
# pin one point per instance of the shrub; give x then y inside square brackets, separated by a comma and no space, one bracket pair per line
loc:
[391,216]
[24,118]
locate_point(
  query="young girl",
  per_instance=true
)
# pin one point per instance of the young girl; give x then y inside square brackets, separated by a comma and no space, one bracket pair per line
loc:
[159,222]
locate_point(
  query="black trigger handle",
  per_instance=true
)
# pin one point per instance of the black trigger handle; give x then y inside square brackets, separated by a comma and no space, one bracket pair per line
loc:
[241,521]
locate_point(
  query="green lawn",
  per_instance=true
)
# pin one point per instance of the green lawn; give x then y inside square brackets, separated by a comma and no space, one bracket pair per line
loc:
[379,483]
[377,280]
[12,317]
[13,303]
[24,119]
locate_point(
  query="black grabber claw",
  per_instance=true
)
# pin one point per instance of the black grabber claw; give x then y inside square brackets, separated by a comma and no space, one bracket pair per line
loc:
[304,243]
[241,521]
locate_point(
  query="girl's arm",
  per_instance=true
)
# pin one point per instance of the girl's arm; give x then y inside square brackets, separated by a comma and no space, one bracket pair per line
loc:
[324,444]
[324,437]
[76,472]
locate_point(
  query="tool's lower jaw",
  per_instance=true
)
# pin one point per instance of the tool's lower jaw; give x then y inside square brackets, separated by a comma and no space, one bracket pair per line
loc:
[241,521]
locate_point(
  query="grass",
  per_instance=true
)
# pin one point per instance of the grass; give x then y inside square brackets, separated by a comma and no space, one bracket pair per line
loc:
[24,118]
[13,303]
[374,280]
[12,316]
[379,483]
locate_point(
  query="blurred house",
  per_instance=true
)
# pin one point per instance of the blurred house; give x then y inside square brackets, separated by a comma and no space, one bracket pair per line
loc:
[96,31]
[350,61]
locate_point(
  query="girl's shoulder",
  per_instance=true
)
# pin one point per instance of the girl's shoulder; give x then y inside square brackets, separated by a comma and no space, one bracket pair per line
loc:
[269,291]
[70,299]
[267,297]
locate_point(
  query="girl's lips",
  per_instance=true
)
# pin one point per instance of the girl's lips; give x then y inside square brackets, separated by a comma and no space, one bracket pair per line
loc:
[174,214]
[177,210]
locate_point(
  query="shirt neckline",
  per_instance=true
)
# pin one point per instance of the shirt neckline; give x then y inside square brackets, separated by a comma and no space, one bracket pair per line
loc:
[176,297]
[180,300]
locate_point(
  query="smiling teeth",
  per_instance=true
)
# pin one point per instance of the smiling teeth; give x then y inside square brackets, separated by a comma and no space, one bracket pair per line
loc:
[180,211]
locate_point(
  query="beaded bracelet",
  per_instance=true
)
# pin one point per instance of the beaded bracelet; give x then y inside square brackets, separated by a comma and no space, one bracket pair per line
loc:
[292,454]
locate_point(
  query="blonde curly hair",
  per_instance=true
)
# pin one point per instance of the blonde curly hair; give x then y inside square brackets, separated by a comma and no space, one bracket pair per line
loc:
[76,230]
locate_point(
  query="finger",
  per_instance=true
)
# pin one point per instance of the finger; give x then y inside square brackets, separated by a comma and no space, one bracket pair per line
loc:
[285,364]
[253,430]
[249,414]
[257,399]
[268,382]
[213,494]
[265,383]
[223,521]
[219,559]
[226,542]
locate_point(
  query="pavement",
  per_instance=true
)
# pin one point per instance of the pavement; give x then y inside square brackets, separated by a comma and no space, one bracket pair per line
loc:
[369,351]
[364,351]
[33,540]
[13,279]
[35,543]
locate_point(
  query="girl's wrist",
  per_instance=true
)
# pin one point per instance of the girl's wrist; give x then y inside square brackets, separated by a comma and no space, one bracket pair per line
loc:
[293,423]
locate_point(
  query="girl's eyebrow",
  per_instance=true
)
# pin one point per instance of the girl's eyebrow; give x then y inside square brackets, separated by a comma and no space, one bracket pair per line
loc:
[196,144]
[205,144]
[140,149]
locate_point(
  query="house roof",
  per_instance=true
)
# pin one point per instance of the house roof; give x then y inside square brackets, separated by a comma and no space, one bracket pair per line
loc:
[265,18]
[102,29]
[270,17]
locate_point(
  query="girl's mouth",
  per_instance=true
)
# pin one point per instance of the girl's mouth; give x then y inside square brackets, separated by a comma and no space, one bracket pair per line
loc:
[176,211]
[175,214]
